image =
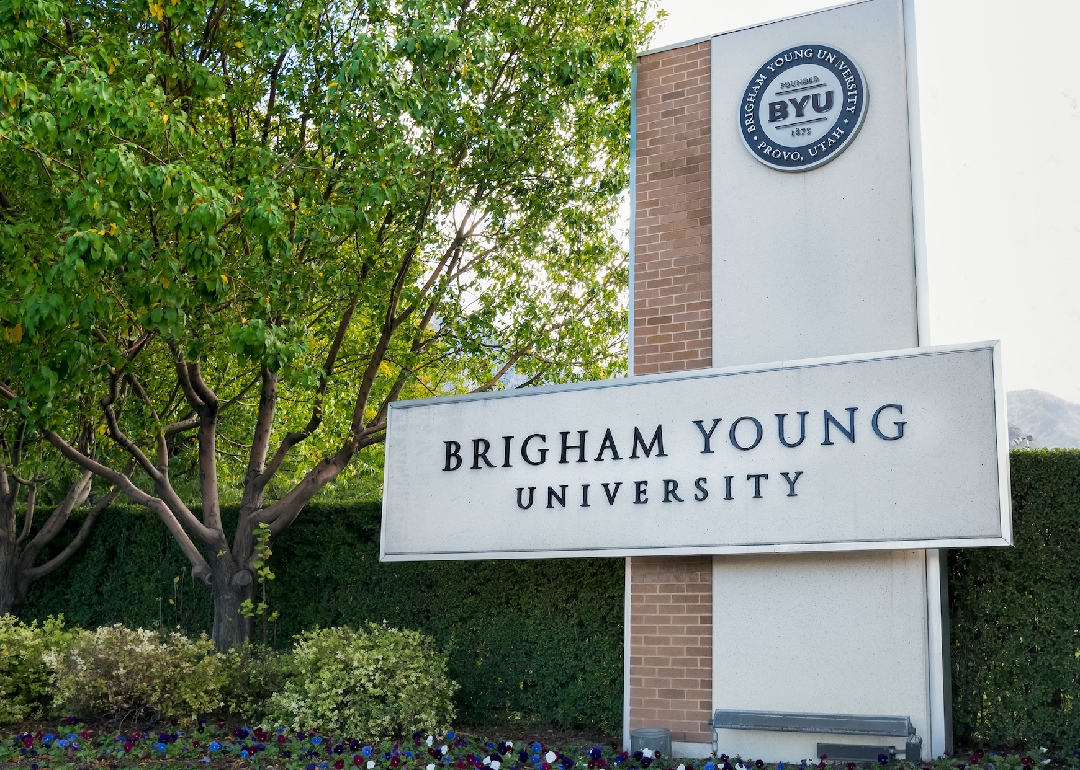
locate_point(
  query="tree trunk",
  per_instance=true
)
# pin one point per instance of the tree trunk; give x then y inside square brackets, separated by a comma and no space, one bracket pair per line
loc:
[20,586]
[10,600]
[230,626]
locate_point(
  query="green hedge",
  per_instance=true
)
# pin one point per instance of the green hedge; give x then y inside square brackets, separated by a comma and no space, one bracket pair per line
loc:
[541,641]
[529,641]
[1016,615]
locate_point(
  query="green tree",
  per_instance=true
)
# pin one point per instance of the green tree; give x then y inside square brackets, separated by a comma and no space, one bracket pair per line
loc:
[244,230]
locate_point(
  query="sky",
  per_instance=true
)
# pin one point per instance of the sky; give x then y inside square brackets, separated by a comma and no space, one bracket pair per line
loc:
[999,86]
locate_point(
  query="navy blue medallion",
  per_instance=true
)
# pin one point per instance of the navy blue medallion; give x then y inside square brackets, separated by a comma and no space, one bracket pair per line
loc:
[802,107]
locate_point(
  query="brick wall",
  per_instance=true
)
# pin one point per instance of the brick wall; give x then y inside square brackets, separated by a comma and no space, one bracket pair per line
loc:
[671,596]
[671,645]
[672,235]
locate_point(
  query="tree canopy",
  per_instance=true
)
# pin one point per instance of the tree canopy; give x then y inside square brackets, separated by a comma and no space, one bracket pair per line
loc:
[241,230]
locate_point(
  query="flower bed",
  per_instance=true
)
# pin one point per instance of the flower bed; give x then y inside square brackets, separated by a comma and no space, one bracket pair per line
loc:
[215,746]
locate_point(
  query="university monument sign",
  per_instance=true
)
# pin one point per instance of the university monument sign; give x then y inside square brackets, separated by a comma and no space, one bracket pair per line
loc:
[790,457]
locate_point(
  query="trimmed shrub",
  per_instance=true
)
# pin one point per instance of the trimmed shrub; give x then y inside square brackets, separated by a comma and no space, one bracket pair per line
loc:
[252,674]
[25,692]
[372,684]
[1016,615]
[530,642]
[123,672]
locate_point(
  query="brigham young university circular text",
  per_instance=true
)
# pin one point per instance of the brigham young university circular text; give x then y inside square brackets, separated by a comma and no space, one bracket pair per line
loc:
[803,107]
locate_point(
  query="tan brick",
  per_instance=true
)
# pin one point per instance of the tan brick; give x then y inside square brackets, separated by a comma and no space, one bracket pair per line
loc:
[672,230]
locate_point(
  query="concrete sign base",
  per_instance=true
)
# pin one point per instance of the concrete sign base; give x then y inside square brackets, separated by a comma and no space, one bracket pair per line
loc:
[839,633]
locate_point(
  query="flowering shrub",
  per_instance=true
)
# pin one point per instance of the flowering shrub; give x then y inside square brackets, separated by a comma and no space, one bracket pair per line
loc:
[376,682]
[116,670]
[25,692]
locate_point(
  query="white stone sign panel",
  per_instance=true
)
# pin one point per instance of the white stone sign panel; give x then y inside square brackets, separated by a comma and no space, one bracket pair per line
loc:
[896,450]
[816,222]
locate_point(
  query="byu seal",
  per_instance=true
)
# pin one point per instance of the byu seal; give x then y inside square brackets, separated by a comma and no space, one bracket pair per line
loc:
[802,107]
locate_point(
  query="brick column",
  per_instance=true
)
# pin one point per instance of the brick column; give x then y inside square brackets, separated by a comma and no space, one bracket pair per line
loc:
[673,218]
[671,596]
[671,645]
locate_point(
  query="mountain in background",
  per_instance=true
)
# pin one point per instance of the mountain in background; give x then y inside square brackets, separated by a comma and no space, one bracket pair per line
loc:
[1049,420]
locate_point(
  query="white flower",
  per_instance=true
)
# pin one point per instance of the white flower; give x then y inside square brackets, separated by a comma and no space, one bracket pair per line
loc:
[487,760]
[444,750]
[496,765]
[430,767]
[681,767]
[371,764]
[550,757]
[647,753]
[430,739]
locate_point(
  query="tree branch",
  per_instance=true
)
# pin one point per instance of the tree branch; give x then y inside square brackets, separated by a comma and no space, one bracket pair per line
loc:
[243,392]
[273,93]
[32,573]
[28,519]
[512,360]
[76,496]
[120,437]
[258,483]
[179,427]
[172,518]
[184,377]
[162,446]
